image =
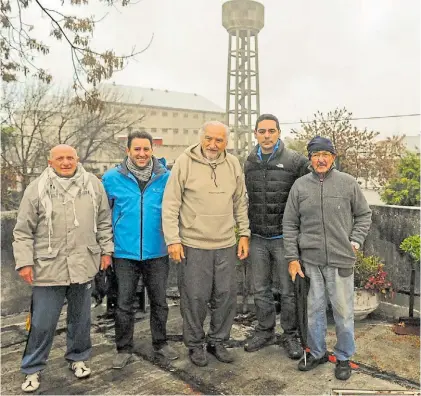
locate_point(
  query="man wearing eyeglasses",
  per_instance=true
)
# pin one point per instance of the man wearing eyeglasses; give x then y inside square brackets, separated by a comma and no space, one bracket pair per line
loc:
[326,220]
[270,171]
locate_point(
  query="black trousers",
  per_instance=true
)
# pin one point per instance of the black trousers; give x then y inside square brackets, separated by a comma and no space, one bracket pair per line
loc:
[155,275]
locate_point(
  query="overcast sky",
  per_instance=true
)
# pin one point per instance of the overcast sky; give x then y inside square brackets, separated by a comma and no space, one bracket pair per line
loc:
[314,55]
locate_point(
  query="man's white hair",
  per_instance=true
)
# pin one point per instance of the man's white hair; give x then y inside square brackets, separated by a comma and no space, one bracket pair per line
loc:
[214,123]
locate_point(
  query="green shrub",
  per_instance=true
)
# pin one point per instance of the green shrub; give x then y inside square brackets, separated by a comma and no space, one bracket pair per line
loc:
[411,245]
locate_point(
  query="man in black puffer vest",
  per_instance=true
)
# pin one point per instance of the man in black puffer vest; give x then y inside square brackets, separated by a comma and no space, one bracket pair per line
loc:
[270,171]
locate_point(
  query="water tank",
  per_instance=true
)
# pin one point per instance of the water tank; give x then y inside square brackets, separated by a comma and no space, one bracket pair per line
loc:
[243,15]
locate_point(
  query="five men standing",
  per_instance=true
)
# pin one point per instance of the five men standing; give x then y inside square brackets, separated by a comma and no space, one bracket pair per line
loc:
[63,236]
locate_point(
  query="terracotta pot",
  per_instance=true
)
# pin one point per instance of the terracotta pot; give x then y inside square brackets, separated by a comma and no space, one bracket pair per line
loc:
[365,302]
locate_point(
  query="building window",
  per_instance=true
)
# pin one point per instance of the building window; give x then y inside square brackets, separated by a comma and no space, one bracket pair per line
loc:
[196,131]
[186,115]
[153,130]
[175,115]
[142,129]
[186,131]
[153,112]
[164,114]
[175,131]
[164,130]
[196,115]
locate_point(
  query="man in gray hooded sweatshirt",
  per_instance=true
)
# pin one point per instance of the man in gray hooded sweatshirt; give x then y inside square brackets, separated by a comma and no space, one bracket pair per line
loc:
[326,220]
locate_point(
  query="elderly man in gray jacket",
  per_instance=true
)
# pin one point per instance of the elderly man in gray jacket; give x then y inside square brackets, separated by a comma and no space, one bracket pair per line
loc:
[326,220]
[62,236]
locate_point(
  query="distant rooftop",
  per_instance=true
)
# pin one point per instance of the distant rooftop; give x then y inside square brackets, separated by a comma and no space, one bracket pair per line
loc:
[158,98]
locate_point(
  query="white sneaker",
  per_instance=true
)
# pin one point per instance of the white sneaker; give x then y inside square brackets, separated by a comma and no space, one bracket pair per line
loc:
[31,382]
[80,370]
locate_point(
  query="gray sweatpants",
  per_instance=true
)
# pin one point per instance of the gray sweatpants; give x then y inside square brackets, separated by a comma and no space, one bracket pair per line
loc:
[47,302]
[207,277]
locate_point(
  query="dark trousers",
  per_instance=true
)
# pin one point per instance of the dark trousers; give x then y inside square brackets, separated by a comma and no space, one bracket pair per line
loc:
[155,275]
[267,257]
[207,279]
[47,303]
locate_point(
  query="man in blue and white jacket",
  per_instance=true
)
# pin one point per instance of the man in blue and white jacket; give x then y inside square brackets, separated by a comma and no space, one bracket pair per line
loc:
[135,189]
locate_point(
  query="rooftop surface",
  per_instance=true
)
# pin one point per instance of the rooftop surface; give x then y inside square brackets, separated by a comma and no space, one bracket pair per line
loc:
[386,362]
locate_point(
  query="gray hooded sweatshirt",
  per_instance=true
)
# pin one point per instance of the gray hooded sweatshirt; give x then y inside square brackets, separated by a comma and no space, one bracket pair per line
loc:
[322,218]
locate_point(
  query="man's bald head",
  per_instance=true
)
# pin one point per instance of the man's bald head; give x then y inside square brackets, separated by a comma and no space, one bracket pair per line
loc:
[63,159]
[59,148]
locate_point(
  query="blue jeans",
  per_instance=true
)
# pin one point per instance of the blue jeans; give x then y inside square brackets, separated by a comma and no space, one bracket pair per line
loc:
[341,295]
[267,260]
[47,302]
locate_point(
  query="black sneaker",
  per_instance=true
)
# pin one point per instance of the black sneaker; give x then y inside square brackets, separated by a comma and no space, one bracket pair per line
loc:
[220,352]
[293,347]
[342,370]
[259,342]
[311,362]
[198,356]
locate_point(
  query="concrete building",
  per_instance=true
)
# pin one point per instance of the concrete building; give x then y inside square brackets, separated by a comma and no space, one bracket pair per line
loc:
[172,118]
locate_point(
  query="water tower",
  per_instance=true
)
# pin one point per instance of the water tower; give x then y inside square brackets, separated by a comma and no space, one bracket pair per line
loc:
[243,20]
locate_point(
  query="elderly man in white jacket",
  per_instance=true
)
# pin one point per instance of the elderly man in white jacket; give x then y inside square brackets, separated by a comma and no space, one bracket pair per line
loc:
[62,236]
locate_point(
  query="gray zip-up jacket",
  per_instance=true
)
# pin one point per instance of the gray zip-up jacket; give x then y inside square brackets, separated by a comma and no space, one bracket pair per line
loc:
[322,218]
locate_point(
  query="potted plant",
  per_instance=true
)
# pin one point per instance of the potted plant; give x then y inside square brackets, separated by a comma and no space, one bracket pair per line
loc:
[370,281]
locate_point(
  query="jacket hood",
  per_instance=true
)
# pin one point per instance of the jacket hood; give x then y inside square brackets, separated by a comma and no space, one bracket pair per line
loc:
[195,153]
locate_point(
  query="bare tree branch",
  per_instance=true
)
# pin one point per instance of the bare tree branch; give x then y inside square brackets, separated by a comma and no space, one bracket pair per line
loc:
[18,47]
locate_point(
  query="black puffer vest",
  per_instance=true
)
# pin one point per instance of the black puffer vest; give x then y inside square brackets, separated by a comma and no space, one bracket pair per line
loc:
[268,185]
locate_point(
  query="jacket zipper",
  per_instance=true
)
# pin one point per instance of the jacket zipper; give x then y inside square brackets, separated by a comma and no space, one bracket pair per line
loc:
[264,192]
[323,219]
[141,222]
[118,219]
[141,213]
